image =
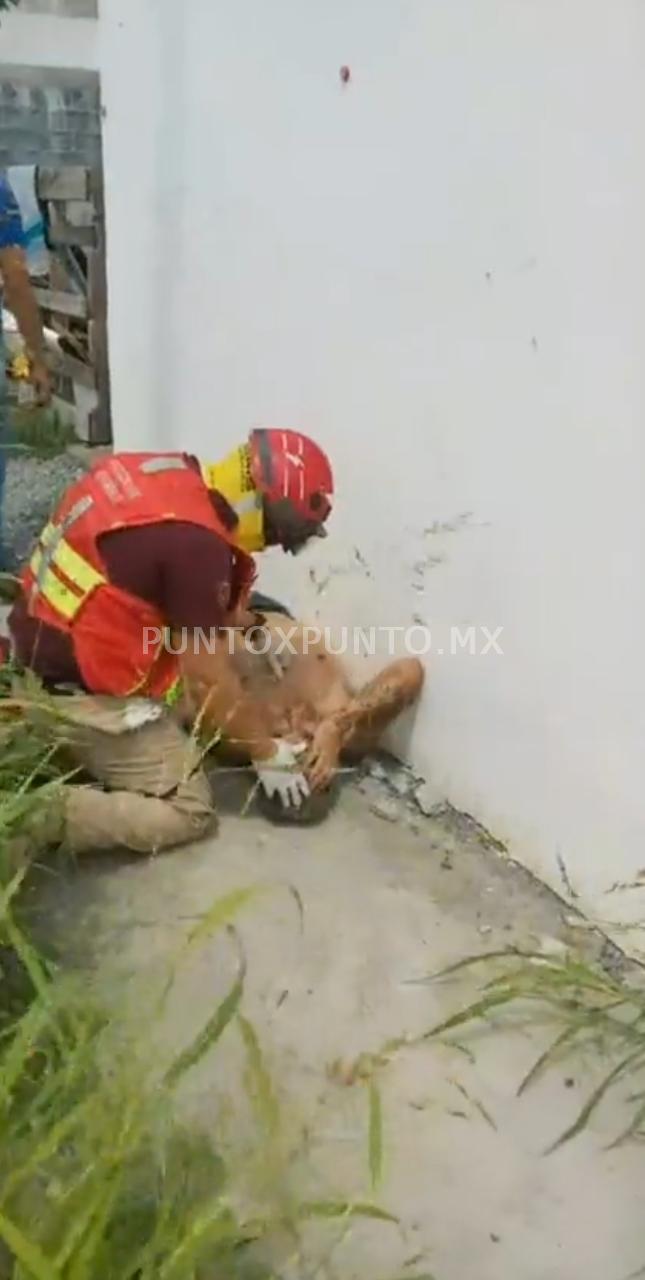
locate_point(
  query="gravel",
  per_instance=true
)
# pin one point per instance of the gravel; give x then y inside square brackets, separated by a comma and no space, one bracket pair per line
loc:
[33,487]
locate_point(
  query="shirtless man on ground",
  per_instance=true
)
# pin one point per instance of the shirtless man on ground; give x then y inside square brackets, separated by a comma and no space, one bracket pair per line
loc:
[309,697]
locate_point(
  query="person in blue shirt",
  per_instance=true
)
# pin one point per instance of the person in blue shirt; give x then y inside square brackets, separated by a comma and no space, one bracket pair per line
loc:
[18,295]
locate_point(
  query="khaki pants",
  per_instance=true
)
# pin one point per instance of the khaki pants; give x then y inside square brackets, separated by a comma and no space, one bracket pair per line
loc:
[155,793]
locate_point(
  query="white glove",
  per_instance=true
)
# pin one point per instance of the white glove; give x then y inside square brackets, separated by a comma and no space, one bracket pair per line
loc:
[280,775]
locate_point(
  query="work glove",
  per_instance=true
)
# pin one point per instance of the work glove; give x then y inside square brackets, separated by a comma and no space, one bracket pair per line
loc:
[282,775]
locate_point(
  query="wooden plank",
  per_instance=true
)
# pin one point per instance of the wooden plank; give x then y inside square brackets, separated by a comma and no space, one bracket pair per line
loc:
[74,342]
[94,272]
[60,277]
[64,389]
[96,337]
[79,372]
[68,183]
[79,213]
[100,427]
[61,231]
[76,266]
[81,237]
[66,304]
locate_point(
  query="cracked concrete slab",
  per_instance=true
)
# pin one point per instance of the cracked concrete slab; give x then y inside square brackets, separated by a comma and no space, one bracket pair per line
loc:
[383,900]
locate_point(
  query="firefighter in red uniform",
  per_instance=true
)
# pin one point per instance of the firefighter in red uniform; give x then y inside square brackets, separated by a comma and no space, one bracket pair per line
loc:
[124,612]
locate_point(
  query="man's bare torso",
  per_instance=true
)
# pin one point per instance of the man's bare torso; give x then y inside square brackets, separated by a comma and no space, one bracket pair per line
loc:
[312,684]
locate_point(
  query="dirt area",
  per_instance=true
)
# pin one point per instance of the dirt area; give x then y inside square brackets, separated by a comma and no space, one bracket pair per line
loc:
[351,911]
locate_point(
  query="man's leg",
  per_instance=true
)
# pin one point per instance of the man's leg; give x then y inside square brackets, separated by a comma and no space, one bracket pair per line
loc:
[156,793]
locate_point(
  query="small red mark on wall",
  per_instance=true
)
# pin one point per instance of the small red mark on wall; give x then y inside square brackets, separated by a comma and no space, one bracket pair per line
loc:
[345,75]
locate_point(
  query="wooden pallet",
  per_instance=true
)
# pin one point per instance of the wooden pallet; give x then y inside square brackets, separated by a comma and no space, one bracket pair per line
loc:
[73,298]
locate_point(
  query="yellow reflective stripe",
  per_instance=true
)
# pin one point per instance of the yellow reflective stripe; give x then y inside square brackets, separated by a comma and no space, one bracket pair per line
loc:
[35,562]
[45,540]
[60,597]
[48,534]
[79,571]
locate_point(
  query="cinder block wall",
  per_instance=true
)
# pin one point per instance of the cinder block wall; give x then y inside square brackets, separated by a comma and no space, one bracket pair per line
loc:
[49,117]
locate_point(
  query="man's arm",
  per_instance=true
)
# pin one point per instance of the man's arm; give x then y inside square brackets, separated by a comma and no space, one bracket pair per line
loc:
[21,300]
[186,572]
[217,699]
[363,717]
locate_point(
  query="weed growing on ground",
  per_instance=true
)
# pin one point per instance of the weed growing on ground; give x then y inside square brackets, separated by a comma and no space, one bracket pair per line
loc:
[97,1177]
[588,1011]
[43,433]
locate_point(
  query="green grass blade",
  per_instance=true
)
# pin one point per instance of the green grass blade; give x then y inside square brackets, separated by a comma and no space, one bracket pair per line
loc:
[86,1228]
[222,912]
[27,954]
[631,1130]
[44,1150]
[300,906]
[30,1257]
[479,1009]
[82,1264]
[144,1264]
[208,1036]
[65,1081]
[259,1083]
[26,1034]
[10,890]
[476,1103]
[509,953]
[344,1209]
[375,1135]
[41,764]
[484,1113]
[563,1039]
[596,1097]
[423,1275]
[211,1226]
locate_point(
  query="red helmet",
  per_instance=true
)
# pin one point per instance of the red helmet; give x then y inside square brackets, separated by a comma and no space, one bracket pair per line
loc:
[289,468]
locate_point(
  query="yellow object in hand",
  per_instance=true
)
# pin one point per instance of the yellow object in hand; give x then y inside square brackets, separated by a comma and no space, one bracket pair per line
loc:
[20,366]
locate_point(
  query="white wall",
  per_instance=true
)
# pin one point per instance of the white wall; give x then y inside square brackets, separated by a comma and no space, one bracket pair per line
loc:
[438,271]
[39,40]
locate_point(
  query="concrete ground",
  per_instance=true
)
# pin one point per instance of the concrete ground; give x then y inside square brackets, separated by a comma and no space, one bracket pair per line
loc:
[352,910]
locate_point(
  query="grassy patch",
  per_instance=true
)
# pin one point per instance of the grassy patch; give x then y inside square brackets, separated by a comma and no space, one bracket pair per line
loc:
[98,1181]
[44,433]
[590,1013]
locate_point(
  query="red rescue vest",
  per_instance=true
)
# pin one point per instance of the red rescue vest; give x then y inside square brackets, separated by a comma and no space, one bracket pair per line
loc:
[118,638]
